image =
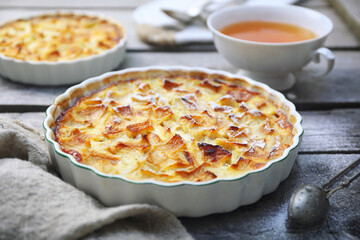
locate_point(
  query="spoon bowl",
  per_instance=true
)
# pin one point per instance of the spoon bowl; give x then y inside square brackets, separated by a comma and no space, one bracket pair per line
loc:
[190,15]
[308,206]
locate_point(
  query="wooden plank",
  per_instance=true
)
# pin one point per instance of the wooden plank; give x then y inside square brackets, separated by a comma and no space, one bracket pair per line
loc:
[350,11]
[313,3]
[338,89]
[341,37]
[335,131]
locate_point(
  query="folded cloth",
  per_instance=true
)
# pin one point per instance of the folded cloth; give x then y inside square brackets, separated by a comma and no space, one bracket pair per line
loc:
[36,204]
[154,27]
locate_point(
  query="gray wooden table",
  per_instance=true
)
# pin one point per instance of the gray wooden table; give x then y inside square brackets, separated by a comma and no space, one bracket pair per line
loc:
[330,107]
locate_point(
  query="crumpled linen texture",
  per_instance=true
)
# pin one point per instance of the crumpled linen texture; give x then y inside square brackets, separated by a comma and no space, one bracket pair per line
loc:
[36,204]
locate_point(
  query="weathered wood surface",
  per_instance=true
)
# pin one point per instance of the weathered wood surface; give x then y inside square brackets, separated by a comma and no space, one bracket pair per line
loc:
[336,131]
[338,89]
[333,131]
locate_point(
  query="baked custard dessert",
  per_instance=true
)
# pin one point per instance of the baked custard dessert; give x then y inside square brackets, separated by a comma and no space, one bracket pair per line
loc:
[58,37]
[175,128]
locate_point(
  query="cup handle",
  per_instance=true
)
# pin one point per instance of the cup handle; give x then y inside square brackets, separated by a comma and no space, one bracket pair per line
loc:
[330,61]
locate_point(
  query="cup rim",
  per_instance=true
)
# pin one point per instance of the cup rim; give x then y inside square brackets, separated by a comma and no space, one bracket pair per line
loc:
[225,10]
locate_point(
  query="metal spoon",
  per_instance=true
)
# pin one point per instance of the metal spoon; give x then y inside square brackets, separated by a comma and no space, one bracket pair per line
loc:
[309,204]
[188,16]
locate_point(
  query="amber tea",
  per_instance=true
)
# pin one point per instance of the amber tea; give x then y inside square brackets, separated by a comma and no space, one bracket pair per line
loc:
[269,32]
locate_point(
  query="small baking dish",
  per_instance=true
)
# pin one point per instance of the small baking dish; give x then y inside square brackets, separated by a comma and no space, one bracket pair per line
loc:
[191,199]
[64,72]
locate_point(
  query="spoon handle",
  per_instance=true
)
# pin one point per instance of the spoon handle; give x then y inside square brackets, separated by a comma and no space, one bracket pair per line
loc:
[346,183]
[342,185]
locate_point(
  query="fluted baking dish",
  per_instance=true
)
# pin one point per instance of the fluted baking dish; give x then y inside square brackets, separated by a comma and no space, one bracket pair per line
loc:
[191,199]
[66,71]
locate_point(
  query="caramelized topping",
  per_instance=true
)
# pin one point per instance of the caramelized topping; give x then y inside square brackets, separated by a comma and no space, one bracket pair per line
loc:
[140,128]
[144,98]
[94,112]
[234,118]
[153,138]
[175,143]
[199,174]
[241,94]
[124,110]
[111,130]
[190,101]
[241,162]
[163,111]
[267,129]
[74,153]
[58,37]
[193,120]
[188,157]
[255,150]
[218,108]
[142,144]
[144,87]
[234,132]
[214,153]
[284,123]
[227,100]
[169,85]
[208,84]
[175,129]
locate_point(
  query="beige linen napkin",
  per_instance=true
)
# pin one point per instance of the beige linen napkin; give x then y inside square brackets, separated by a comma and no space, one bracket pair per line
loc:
[36,204]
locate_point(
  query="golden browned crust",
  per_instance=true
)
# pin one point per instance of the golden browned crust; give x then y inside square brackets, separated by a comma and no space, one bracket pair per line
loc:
[175,127]
[58,37]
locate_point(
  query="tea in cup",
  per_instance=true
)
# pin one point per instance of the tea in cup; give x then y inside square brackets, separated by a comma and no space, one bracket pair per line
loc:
[270,43]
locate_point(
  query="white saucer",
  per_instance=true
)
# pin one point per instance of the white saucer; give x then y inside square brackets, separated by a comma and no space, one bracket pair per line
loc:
[151,14]
[280,82]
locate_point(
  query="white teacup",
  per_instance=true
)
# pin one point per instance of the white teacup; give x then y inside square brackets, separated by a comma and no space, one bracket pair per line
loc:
[273,63]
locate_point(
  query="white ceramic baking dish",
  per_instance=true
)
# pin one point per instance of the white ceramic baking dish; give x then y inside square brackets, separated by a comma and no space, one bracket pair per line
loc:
[64,72]
[193,199]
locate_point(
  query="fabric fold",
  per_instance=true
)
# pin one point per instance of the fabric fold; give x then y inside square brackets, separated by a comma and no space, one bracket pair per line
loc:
[36,204]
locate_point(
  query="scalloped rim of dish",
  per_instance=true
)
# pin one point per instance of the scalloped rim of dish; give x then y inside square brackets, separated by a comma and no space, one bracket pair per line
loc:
[121,43]
[292,111]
